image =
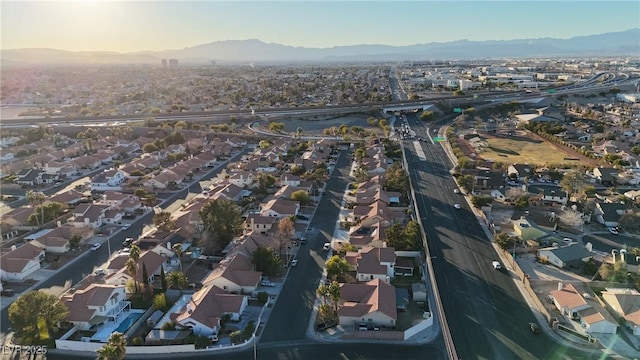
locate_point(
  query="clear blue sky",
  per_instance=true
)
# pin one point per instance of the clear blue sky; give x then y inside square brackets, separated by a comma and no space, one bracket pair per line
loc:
[126,26]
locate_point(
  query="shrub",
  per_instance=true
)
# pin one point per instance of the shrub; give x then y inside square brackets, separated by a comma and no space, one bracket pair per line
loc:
[263,297]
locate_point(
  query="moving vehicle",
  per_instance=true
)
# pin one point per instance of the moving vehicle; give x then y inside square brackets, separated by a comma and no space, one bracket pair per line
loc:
[457,206]
[294,262]
[127,242]
[126,227]
[534,328]
[496,265]
[326,246]
[613,231]
[456,191]
[95,247]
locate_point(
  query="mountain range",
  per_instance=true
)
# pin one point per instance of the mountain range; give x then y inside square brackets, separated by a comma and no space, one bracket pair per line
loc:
[623,43]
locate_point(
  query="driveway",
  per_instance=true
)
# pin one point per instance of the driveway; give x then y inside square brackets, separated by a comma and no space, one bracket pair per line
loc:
[537,271]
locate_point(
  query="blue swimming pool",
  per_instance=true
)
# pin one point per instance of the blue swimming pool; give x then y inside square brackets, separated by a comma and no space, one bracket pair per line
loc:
[127,322]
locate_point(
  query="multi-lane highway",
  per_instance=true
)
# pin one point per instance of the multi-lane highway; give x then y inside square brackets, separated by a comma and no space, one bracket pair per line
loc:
[485,311]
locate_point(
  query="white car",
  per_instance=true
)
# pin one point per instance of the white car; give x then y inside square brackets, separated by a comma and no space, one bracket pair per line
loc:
[95,247]
[457,206]
[294,262]
[456,191]
[267,283]
[126,227]
[101,272]
[613,231]
[496,265]
[326,246]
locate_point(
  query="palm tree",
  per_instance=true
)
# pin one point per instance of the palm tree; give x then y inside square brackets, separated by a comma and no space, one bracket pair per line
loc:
[114,348]
[177,280]
[177,248]
[132,269]
[37,197]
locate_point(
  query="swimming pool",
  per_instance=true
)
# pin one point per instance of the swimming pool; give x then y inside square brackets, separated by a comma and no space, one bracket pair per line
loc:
[126,323]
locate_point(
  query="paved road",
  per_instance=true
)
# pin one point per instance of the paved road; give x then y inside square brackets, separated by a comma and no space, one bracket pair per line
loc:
[485,311]
[605,242]
[289,319]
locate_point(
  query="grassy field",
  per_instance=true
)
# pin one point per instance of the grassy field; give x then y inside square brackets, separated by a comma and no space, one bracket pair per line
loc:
[524,150]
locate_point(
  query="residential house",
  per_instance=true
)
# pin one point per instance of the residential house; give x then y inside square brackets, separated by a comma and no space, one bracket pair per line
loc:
[18,263]
[568,300]
[373,263]
[69,198]
[208,158]
[520,171]
[165,179]
[150,260]
[280,208]
[18,218]
[290,180]
[113,216]
[372,303]
[95,305]
[625,303]
[57,240]
[230,192]
[572,256]
[111,179]
[259,224]
[89,215]
[550,194]
[526,231]
[242,178]
[591,315]
[236,142]
[606,176]
[86,162]
[29,177]
[235,274]
[367,197]
[608,214]
[206,308]
[595,320]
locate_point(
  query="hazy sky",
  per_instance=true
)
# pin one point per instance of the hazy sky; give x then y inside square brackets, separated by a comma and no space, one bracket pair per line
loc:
[127,26]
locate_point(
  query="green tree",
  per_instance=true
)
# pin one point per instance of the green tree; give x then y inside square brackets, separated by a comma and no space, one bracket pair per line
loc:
[74,242]
[222,220]
[163,221]
[276,126]
[160,302]
[466,182]
[397,178]
[504,241]
[266,261]
[31,308]
[427,116]
[177,249]
[522,202]
[394,236]
[38,198]
[333,291]
[301,196]
[298,170]
[114,348]
[149,148]
[480,201]
[163,279]
[337,267]
[177,280]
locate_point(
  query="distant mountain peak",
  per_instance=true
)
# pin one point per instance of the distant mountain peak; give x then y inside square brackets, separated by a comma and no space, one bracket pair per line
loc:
[620,43]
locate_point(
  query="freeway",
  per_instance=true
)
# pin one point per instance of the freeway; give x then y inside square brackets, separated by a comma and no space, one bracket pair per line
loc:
[484,309]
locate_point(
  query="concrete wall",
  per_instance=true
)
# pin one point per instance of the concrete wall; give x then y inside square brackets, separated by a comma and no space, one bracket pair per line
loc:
[93,347]
[424,324]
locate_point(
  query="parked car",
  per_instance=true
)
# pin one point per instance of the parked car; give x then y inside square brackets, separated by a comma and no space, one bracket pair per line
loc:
[127,242]
[95,247]
[100,272]
[303,241]
[267,283]
[301,217]
[294,262]
[534,328]
[213,338]
[7,292]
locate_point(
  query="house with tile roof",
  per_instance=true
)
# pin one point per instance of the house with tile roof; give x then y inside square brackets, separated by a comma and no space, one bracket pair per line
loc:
[372,303]
[595,320]
[259,224]
[111,179]
[207,306]
[625,303]
[235,274]
[149,259]
[568,300]
[89,215]
[17,264]
[91,307]
[279,208]
[69,198]
[18,218]
[373,263]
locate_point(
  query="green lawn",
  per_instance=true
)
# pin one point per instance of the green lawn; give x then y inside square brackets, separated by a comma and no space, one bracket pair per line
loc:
[522,150]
